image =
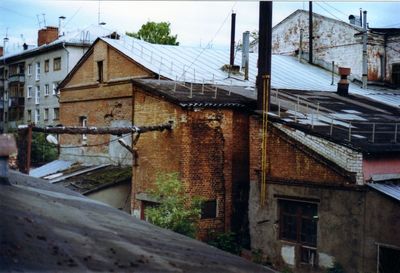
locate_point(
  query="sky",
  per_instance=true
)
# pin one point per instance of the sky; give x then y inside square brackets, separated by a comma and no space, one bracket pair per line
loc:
[197,23]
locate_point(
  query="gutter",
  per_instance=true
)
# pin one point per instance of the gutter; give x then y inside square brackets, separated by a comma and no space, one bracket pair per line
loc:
[63,45]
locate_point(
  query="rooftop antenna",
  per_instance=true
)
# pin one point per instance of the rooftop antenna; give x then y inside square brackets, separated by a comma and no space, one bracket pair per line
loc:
[44,19]
[39,22]
[5,41]
[98,13]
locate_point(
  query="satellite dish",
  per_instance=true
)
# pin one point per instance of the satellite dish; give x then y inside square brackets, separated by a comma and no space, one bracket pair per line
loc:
[52,139]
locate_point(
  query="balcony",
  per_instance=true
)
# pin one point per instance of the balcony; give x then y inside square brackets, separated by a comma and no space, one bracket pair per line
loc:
[16,102]
[17,78]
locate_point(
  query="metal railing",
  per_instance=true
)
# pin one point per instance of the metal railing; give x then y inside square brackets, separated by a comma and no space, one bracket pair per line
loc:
[313,114]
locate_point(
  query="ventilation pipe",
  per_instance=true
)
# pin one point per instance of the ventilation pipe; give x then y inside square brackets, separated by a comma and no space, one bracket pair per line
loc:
[343,84]
[264,51]
[233,26]
[364,52]
[245,54]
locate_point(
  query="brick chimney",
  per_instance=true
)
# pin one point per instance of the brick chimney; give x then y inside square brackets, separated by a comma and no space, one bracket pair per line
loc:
[343,84]
[1,51]
[47,35]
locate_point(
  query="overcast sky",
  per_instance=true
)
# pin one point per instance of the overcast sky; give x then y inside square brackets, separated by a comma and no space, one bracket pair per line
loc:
[195,22]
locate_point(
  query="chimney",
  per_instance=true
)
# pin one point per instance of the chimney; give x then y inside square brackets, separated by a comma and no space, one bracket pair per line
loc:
[47,35]
[264,53]
[343,84]
[1,51]
[25,46]
[245,54]
[233,26]
[7,147]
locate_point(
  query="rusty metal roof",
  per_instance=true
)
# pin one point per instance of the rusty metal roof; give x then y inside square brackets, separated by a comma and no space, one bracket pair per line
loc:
[53,229]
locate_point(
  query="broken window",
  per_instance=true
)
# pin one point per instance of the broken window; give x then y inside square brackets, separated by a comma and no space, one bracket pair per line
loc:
[396,74]
[209,209]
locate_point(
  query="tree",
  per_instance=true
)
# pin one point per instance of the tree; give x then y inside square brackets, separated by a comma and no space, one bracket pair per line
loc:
[42,151]
[176,211]
[155,33]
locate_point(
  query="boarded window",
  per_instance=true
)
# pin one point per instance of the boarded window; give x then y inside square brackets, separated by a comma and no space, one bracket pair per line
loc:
[396,74]
[298,222]
[209,209]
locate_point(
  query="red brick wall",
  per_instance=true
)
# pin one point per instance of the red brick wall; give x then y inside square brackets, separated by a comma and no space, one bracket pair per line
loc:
[289,160]
[47,35]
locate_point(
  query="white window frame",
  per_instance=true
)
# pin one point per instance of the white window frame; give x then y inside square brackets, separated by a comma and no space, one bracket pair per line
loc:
[54,88]
[37,70]
[29,89]
[29,69]
[37,94]
[46,89]
[46,114]
[37,116]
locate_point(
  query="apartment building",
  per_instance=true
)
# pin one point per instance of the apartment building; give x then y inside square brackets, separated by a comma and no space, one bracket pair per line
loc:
[29,78]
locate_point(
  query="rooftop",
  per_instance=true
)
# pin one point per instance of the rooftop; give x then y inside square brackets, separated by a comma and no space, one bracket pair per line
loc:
[50,228]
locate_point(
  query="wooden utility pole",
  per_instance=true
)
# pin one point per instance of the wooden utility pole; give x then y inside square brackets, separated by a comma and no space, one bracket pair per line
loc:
[25,136]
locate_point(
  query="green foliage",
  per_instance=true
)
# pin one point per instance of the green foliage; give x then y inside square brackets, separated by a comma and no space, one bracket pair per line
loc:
[225,241]
[257,256]
[336,268]
[155,33]
[177,211]
[42,151]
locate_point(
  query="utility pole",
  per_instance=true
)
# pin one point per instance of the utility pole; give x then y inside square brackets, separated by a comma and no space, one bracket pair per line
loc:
[310,33]
[364,52]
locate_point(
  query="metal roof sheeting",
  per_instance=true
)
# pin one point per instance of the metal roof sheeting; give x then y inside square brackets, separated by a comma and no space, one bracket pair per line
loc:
[392,190]
[195,64]
[50,168]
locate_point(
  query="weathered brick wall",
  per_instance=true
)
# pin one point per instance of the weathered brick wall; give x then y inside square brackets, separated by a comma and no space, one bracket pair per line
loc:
[392,53]
[333,41]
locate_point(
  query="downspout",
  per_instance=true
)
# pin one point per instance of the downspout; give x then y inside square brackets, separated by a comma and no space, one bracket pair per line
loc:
[63,44]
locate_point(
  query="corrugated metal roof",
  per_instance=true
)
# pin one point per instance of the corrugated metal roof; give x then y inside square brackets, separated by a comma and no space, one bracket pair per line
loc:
[392,190]
[50,168]
[196,65]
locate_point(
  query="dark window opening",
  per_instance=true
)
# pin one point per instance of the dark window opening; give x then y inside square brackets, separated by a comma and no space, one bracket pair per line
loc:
[396,74]
[144,206]
[308,255]
[389,260]
[298,222]
[209,209]
[100,71]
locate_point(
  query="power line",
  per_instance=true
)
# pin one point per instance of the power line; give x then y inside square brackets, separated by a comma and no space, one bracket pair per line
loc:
[333,15]
[335,9]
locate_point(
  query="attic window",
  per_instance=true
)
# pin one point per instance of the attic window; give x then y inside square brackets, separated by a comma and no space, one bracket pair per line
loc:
[100,71]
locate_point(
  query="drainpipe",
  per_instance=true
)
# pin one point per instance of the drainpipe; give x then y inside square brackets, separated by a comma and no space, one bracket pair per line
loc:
[310,33]
[63,44]
[245,54]
[7,147]
[233,26]
[364,52]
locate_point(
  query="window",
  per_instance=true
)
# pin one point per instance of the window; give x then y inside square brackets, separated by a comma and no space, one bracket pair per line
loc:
[37,116]
[46,90]
[100,71]
[37,95]
[46,114]
[57,64]
[37,76]
[29,69]
[29,92]
[389,259]
[209,209]
[396,73]
[83,122]
[46,65]
[298,222]
[55,84]
[29,115]
[56,113]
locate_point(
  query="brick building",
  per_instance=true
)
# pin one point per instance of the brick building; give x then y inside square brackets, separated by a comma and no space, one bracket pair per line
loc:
[332,191]
[340,42]
[208,145]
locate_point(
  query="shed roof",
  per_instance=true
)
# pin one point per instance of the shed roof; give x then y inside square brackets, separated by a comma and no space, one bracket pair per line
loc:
[388,189]
[50,228]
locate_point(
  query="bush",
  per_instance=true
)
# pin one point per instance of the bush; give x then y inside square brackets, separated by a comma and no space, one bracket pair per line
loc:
[225,241]
[42,151]
[176,211]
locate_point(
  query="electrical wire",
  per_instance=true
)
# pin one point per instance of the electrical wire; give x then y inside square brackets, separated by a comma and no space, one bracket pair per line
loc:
[94,145]
[209,43]
[330,12]
[335,8]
